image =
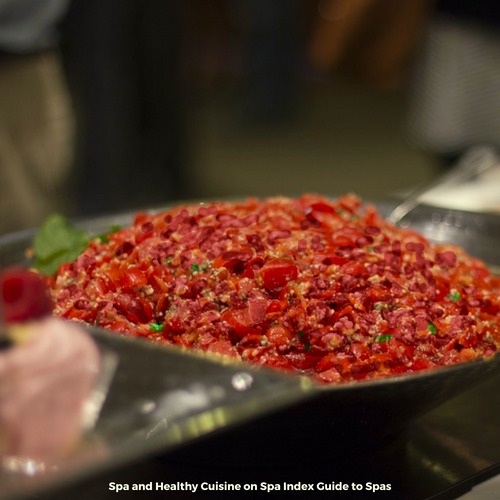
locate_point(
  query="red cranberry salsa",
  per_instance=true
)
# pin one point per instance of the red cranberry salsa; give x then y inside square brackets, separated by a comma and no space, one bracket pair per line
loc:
[312,286]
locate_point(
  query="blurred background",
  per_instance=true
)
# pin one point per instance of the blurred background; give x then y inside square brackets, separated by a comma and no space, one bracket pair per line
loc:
[110,105]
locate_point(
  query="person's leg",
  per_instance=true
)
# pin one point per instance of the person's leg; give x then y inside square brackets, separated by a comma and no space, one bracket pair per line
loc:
[36,140]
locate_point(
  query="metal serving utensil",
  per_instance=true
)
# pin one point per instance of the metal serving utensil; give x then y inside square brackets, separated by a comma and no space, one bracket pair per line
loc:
[474,162]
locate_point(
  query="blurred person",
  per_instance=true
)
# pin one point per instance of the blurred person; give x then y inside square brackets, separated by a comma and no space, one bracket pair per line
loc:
[455,89]
[35,114]
[123,63]
[368,41]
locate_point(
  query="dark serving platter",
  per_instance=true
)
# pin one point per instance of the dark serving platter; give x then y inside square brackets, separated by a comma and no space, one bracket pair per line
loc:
[205,413]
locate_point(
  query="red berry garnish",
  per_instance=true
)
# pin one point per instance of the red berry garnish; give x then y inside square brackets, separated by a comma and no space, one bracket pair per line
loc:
[23,295]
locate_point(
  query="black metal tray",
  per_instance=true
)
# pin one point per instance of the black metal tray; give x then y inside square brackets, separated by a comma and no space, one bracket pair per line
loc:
[250,416]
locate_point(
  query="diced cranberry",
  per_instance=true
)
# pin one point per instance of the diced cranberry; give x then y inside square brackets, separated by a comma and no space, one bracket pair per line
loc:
[24,295]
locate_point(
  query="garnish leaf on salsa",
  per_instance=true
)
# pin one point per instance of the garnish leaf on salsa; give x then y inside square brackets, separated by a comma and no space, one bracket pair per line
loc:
[56,243]
[384,338]
[156,327]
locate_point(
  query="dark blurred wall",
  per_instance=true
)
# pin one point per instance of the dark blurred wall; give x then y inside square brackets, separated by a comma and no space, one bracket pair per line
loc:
[123,63]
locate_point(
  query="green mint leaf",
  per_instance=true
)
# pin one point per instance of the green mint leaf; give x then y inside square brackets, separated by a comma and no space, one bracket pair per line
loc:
[56,243]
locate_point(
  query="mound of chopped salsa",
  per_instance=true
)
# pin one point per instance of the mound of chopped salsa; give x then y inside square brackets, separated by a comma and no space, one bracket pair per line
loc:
[312,286]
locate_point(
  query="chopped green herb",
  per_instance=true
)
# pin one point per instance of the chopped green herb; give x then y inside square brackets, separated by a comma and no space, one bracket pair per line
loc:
[308,347]
[168,261]
[432,328]
[300,334]
[56,243]
[454,296]
[104,237]
[156,327]
[195,268]
[383,338]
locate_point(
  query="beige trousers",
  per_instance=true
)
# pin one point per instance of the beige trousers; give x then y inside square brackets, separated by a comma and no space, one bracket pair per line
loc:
[36,140]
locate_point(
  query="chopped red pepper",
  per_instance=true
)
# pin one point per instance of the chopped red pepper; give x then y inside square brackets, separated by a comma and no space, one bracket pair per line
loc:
[309,285]
[277,273]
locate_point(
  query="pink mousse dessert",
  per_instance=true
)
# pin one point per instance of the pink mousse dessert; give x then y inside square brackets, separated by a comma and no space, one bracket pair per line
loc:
[48,369]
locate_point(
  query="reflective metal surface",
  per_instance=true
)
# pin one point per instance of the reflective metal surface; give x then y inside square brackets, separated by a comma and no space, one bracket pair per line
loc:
[223,421]
[159,399]
[472,164]
[439,456]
